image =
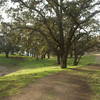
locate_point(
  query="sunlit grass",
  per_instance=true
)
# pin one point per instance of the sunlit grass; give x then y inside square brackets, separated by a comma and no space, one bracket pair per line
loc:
[92,77]
[95,84]
[27,70]
[11,83]
[85,60]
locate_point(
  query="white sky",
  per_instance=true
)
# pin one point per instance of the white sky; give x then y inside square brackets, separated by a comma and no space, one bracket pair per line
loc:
[5,15]
[9,4]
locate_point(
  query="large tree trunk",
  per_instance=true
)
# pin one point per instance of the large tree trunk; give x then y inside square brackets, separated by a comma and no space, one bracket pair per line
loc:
[58,59]
[63,61]
[7,54]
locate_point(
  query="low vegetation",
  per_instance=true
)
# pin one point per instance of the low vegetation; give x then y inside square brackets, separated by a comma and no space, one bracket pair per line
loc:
[92,76]
[59,27]
[26,70]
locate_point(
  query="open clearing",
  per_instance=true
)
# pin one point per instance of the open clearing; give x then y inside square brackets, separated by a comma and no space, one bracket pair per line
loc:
[72,84]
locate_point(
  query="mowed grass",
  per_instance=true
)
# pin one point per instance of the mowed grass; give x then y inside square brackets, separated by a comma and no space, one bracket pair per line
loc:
[27,70]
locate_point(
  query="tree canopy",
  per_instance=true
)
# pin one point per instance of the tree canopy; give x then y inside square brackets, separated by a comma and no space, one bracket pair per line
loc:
[58,26]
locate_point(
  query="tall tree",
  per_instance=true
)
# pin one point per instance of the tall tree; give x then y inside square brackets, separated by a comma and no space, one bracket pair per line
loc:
[61,19]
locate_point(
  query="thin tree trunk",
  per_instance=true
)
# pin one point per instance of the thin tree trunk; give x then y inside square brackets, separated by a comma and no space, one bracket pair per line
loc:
[48,55]
[76,60]
[37,57]
[71,54]
[79,59]
[43,56]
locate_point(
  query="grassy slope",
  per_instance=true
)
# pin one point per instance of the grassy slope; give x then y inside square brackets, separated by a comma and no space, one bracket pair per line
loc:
[95,84]
[28,70]
[92,75]
[93,79]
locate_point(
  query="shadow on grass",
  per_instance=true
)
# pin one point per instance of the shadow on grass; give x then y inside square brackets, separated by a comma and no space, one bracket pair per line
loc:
[25,62]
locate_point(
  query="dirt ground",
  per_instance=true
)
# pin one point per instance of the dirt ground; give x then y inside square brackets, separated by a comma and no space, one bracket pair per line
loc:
[60,86]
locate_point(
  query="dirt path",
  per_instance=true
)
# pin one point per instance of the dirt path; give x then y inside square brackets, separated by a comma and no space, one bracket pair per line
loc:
[60,86]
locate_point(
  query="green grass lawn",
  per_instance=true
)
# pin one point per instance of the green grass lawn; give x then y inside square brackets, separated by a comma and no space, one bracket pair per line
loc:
[27,70]
[18,62]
